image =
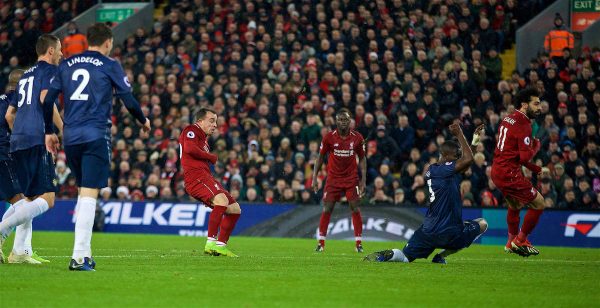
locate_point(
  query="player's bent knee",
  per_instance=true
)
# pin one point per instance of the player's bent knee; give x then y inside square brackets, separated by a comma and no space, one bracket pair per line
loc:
[220,200]
[49,197]
[234,208]
[538,203]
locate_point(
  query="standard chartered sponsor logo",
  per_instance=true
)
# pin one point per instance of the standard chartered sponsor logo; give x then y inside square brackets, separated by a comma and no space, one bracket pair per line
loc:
[343,153]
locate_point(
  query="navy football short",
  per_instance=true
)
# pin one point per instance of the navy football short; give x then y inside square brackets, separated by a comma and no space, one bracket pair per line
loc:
[422,244]
[90,162]
[9,184]
[35,171]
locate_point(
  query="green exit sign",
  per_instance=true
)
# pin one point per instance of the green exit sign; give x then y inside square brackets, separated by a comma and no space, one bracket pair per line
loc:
[585,5]
[113,15]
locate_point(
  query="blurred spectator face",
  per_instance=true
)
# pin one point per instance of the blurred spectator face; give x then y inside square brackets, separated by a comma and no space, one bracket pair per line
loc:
[570,196]
[166,193]
[122,193]
[251,195]
[579,171]
[288,195]
[384,169]
[568,184]
[235,193]
[420,197]
[105,193]
[379,183]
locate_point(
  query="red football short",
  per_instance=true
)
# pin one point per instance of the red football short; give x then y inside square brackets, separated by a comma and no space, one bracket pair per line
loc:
[333,193]
[514,185]
[206,190]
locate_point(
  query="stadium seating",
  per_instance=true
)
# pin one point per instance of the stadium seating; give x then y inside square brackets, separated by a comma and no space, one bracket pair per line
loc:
[275,73]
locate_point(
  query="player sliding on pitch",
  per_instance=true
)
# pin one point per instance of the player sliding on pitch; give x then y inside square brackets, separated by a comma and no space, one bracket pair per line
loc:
[443,226]
[200,184]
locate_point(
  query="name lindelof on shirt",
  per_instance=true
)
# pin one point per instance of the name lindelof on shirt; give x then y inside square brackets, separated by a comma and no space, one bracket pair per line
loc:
[92,60]
[509,120]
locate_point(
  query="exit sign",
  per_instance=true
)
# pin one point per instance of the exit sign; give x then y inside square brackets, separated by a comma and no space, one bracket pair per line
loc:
[585,5]
[584,13]
[113,15]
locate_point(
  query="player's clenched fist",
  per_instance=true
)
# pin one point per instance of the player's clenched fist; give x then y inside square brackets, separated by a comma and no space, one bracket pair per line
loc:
[455,129]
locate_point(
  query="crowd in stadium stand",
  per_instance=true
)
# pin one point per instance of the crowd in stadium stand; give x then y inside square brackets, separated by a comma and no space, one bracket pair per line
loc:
[277,71]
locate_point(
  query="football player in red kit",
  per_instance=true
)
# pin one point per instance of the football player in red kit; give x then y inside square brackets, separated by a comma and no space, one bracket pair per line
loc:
[200,184]
[515,148]
[343,146]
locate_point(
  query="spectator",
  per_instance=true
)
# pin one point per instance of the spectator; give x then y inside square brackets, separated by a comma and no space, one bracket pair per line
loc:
[122,193]
[75,42]
[105,194]
[558,39]
[151,192]
[62,172]
[426,69]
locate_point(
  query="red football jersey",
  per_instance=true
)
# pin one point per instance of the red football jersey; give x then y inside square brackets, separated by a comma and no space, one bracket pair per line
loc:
[342,166]
[513,143]
[195,153]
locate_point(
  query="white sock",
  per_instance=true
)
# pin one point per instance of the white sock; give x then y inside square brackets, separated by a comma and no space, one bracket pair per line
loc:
[20,246]
[398,256]
[8,213]
[86,211]
[23,213]
[12,208]
[211,239]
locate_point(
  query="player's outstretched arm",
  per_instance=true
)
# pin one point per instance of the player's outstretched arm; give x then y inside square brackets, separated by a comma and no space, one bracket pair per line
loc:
[466,159]
[133,107]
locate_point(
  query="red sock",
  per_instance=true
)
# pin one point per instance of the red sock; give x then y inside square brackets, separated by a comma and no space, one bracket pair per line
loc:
[529,222]
[513,220]
[229,221]
[214,220]
[323,225]
[357,223]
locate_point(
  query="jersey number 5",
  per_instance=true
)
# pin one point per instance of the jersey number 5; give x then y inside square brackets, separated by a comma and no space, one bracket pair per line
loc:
[501,138]
[78,94]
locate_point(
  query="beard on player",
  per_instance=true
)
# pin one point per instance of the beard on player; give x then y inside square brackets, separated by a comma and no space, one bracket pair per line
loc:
[533,113]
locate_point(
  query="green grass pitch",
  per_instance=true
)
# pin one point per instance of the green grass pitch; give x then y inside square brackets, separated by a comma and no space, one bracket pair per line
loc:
[151,270]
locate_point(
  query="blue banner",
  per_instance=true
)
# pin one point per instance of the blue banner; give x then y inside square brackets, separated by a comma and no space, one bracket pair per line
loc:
[555,228]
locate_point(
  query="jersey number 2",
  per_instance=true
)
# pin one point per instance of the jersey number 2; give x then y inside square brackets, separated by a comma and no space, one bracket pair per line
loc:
[78,94]
[501,138]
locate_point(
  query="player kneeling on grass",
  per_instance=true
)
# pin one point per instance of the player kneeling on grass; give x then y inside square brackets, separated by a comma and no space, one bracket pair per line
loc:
[443,226]
[200,184]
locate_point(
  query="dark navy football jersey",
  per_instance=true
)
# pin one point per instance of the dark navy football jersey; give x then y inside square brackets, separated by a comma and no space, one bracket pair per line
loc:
[88,81]
[445,211]
[4,129]
[28,130]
